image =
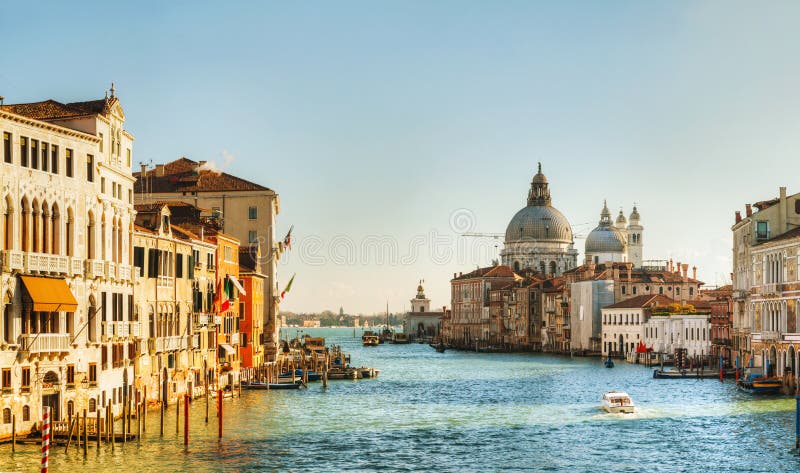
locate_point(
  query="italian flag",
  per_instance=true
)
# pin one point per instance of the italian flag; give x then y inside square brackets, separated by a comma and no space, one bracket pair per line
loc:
[288,286]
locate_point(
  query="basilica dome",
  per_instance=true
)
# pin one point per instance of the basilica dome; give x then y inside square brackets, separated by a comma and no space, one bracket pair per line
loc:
[605,238]
[539,223]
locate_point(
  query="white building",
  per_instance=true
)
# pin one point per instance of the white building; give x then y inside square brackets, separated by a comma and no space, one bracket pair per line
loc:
[539,236]
[587,298]
[68,333]
[420,322]
[623,323]
[667,333]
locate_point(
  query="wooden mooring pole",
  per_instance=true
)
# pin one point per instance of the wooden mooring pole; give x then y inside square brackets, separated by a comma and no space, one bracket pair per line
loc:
[13,433]
[85,435]
[186,420]
[219,410]
[177,415]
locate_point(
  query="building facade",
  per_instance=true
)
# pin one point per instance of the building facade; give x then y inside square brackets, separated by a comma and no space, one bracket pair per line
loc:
[623,323]
[421,323]
[469,321]
[68,329]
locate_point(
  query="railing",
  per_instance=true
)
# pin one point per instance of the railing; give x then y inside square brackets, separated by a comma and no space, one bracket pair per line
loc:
[111,269]
[45,263]
[170,343]
[770,335]
[124,272]
[75,266]
[45,342]
[791,337]
[95,269]
[771,288]
[165,281]
[195,341]
[200,320]
[12,260]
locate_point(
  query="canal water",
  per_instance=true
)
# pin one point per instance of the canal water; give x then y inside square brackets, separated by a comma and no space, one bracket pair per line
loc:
[463,412]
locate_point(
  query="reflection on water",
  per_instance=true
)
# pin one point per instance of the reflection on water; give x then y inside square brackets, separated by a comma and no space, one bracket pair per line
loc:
[465,412]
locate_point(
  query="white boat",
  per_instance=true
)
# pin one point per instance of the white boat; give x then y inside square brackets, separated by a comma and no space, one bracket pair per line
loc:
[617,402]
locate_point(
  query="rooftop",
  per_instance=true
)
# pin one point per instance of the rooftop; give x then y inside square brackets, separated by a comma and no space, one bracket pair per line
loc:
[185,175]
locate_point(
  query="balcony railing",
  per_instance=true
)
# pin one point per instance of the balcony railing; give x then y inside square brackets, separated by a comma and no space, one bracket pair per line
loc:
[770,335]
[170,343]
[165,281]
[12,260]
[75,266]
[200,320]
[124,272]
[95,269]
[45,263]
[111,270]
[45,342]
[122,329]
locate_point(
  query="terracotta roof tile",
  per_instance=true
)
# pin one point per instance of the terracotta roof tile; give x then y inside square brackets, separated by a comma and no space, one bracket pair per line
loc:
[53,110]
[184,175]
[642,301]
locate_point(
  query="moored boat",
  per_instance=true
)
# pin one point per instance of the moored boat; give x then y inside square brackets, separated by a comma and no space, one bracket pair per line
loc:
[617,402]
[756,383]
[370,339]
[295,385]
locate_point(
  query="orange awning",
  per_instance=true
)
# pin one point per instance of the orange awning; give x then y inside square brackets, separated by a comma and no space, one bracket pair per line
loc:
[49,294]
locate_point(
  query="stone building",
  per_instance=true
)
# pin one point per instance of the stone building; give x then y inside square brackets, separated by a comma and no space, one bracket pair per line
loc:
[469,321]
[247,211]
[420,323]
[251,309]
[623,322]
[67,339]
[720,301]
[539,237]
[766,286]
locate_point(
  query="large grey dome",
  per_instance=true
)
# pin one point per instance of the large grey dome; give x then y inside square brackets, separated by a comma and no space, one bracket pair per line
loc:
[539,223]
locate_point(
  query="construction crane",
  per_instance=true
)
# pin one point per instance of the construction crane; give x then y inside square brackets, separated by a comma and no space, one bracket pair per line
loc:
[579,232]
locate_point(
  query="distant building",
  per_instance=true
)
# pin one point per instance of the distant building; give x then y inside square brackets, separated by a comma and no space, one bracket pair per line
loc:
[420,322]
[667,332]
[311,323]
[615,242]
[623,323]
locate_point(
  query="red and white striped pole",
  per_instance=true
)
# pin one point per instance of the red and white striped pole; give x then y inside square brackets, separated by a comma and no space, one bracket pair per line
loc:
[45,438]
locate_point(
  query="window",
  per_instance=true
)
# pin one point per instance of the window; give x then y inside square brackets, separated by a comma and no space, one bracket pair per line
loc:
[138,259]
[179,265]
[228,254]
[102,185]
[762,230]
[252,236]
[23,151]
[623,290]
[661,289]
[691,291]
[6,379]
[7,147]
[35,154]
[70,375]
[128,152]
[92,404]
[54,159]
[45,156]
[252,213]
[6,416]
[634,290]
[68,158]
[677,291]
[90,168]
[93,373]
[100,144]
[26,378]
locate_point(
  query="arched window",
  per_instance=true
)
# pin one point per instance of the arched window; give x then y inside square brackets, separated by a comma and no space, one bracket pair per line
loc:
[516,266]
[26,413]
[90,229]
[151,318]
[46,229]
[553,267]
[8,225]
[91,319]
[633,290]
[542,268]
[70,409]
[92,404]
[55,230]
[6,416]
[25,225]
[36,239]
[623,290]
[68,230]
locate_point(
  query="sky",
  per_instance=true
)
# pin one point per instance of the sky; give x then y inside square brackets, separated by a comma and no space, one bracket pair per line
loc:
[391,128]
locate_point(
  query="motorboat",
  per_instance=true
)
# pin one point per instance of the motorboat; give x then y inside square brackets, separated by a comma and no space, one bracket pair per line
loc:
[609,363]
[757,383]
[370,339]
[617,402]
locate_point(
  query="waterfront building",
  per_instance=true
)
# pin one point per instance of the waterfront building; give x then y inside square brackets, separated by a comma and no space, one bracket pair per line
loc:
[177,353]
[556,326]
[539,237]
[421,322]
[766,286]
[615,241]
[252,310]
[246,211]
[67,335]
[228,294]
[623,322]
[720,301]
[591,286]
[679,327]
[469,321]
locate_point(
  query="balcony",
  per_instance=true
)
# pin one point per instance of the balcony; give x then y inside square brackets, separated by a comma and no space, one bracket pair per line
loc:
[170,343]
[235,338]
[45,263]
[768,336]
[111,270]
[95,269]
[75,266]
[12,260]
[44,343]
[200,320]
[123,329]
[124,272]
[217,320]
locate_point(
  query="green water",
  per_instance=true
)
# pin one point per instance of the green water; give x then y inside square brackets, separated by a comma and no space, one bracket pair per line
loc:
[464,412]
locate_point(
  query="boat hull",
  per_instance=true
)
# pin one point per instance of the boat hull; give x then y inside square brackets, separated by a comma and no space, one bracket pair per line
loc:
[619,409]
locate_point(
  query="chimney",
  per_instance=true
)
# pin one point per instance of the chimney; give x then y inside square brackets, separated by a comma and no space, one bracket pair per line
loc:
[685,268]
[629,266]
[144,170]
[748,210]
[678,267]
[694,272]
[454,275]
[159,170]
[782,211]
[738,216]
[670,265]
[201,163]
[616,273]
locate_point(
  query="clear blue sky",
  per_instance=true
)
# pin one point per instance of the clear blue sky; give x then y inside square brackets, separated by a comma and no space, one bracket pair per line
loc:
[376,121]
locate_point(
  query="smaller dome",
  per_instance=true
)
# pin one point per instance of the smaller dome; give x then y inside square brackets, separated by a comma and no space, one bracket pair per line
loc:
[539,177]
[621,218]
[605,240]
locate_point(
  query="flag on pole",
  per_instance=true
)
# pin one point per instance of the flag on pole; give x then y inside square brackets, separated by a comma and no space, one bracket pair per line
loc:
[288,286]
[287,241]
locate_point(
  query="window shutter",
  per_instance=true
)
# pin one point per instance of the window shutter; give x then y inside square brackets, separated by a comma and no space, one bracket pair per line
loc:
[179,265]
[191,266]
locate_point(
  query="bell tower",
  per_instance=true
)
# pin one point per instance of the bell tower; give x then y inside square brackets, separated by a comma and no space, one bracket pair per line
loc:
[635,246]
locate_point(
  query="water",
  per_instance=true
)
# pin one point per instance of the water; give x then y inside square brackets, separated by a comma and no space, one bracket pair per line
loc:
[464,412]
